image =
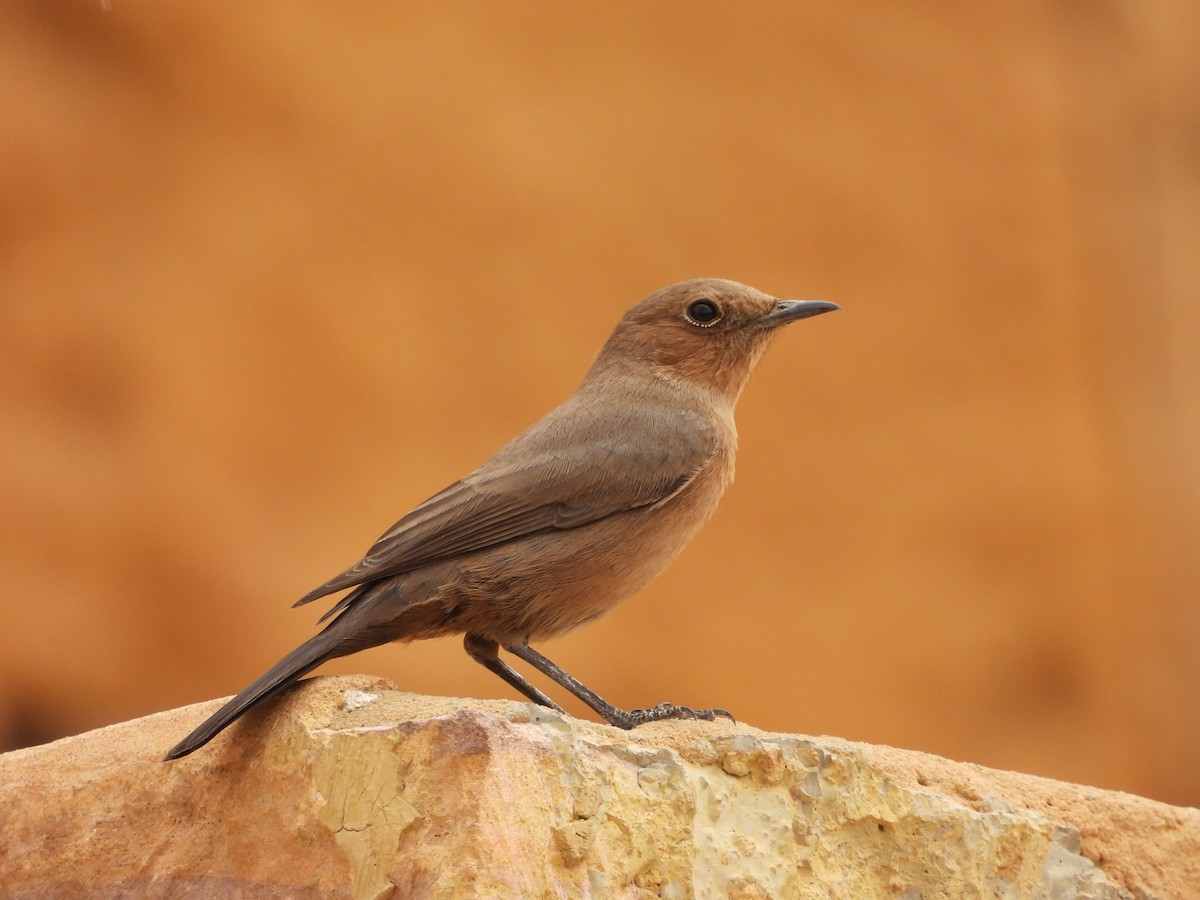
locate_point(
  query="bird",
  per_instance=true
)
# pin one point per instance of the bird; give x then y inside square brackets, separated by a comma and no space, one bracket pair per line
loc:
[571,517]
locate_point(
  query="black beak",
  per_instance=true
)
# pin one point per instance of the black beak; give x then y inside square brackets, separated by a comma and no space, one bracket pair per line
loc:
[790,310]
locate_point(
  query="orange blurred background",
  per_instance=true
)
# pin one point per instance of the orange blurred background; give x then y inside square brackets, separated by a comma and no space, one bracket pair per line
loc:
[273,273]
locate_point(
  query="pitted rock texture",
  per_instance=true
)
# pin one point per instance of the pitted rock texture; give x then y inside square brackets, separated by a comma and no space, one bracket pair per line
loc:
[346,787]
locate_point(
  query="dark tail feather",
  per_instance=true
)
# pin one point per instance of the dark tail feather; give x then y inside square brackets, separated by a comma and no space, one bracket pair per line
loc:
[294,666]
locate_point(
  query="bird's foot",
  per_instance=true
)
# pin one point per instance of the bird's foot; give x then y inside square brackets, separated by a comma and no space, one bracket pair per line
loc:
[635,717]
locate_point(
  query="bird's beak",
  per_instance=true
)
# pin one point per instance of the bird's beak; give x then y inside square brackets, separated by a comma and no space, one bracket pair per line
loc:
[790,310]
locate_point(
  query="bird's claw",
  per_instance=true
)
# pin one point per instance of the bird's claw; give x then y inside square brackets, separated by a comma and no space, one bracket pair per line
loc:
[636,717]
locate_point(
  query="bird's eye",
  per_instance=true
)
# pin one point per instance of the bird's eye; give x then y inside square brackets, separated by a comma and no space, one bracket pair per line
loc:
[703,313]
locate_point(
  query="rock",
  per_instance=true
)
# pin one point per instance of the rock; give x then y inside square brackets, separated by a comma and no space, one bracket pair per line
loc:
[347,787]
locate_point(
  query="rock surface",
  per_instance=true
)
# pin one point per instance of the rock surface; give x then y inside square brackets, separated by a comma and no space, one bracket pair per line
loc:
[347,787]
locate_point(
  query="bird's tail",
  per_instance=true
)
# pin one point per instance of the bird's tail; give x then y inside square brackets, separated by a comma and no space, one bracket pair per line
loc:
[292,667]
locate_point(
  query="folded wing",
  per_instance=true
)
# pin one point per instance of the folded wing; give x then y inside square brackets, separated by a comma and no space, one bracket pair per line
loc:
[556,475]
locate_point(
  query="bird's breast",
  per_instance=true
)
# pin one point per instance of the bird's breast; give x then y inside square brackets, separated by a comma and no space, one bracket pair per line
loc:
[550,583]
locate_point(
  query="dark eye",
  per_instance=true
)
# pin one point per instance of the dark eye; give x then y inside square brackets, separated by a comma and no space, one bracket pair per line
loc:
[703,313]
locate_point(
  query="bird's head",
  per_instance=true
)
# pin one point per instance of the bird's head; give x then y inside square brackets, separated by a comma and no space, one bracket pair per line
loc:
[707,331]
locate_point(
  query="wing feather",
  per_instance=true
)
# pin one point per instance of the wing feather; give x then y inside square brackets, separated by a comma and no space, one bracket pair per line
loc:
[555,475]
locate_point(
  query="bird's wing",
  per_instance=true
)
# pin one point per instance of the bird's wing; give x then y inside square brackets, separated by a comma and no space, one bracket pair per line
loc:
[556,475]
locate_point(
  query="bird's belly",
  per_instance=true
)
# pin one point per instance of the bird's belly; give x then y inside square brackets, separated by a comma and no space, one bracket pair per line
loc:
[548,584]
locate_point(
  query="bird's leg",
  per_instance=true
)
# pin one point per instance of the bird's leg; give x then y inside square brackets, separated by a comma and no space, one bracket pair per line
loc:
[611,714]
[487,654]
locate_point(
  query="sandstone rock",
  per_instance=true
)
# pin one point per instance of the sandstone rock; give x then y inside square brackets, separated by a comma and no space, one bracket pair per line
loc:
[347,787]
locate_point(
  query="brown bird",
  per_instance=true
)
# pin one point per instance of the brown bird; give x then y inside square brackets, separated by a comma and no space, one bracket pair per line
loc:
[572,516]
